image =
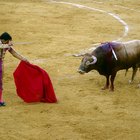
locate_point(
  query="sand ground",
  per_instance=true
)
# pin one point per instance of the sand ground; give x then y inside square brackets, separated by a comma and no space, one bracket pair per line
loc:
[48,33]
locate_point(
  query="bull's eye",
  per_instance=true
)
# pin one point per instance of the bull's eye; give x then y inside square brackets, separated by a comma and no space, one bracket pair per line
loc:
[87,63]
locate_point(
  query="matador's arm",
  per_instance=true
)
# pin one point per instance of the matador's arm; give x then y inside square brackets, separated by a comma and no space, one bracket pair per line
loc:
[17,55]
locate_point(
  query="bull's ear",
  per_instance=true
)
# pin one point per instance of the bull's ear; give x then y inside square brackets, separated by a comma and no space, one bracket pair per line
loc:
[88,63]
[90,59]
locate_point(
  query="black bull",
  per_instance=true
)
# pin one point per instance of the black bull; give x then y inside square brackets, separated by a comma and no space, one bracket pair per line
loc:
[109,58]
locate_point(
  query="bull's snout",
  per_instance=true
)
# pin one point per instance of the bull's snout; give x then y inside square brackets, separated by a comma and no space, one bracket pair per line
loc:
[81,71]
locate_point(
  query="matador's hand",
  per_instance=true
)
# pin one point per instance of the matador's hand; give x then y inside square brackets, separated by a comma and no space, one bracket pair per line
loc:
[26,60]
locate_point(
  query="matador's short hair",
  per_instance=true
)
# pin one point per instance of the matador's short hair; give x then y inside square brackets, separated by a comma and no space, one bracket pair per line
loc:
[5,36]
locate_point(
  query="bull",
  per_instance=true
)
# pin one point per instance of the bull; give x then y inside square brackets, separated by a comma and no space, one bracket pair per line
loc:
[110,57]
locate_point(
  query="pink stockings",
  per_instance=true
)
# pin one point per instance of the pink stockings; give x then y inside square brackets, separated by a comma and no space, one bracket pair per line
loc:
[1,100]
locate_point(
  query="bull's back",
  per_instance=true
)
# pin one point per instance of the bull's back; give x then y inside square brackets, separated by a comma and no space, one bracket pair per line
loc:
[128,50]
[132,47]
[128,54]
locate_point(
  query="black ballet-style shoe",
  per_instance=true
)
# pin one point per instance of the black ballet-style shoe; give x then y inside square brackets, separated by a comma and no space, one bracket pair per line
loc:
[2,104]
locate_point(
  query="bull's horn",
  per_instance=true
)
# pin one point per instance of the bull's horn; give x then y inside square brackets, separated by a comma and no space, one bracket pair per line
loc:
[93,62]
[94,59]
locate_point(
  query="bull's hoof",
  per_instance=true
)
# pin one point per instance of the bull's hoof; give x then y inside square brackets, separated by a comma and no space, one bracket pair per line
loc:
[104,88]
[111,90]
[138,85]
[130,82]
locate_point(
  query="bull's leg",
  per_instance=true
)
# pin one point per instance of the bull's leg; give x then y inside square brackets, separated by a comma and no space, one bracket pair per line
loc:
[134,73]
[126,72]
[107,83]
[112,78]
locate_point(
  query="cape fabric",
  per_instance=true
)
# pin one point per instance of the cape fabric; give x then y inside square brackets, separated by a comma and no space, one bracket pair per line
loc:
[33,84]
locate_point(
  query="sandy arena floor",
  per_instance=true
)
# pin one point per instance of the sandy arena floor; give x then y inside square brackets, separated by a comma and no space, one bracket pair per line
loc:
[48,33]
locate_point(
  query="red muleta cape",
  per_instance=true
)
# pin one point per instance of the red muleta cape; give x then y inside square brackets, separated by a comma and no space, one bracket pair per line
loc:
[33,84]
